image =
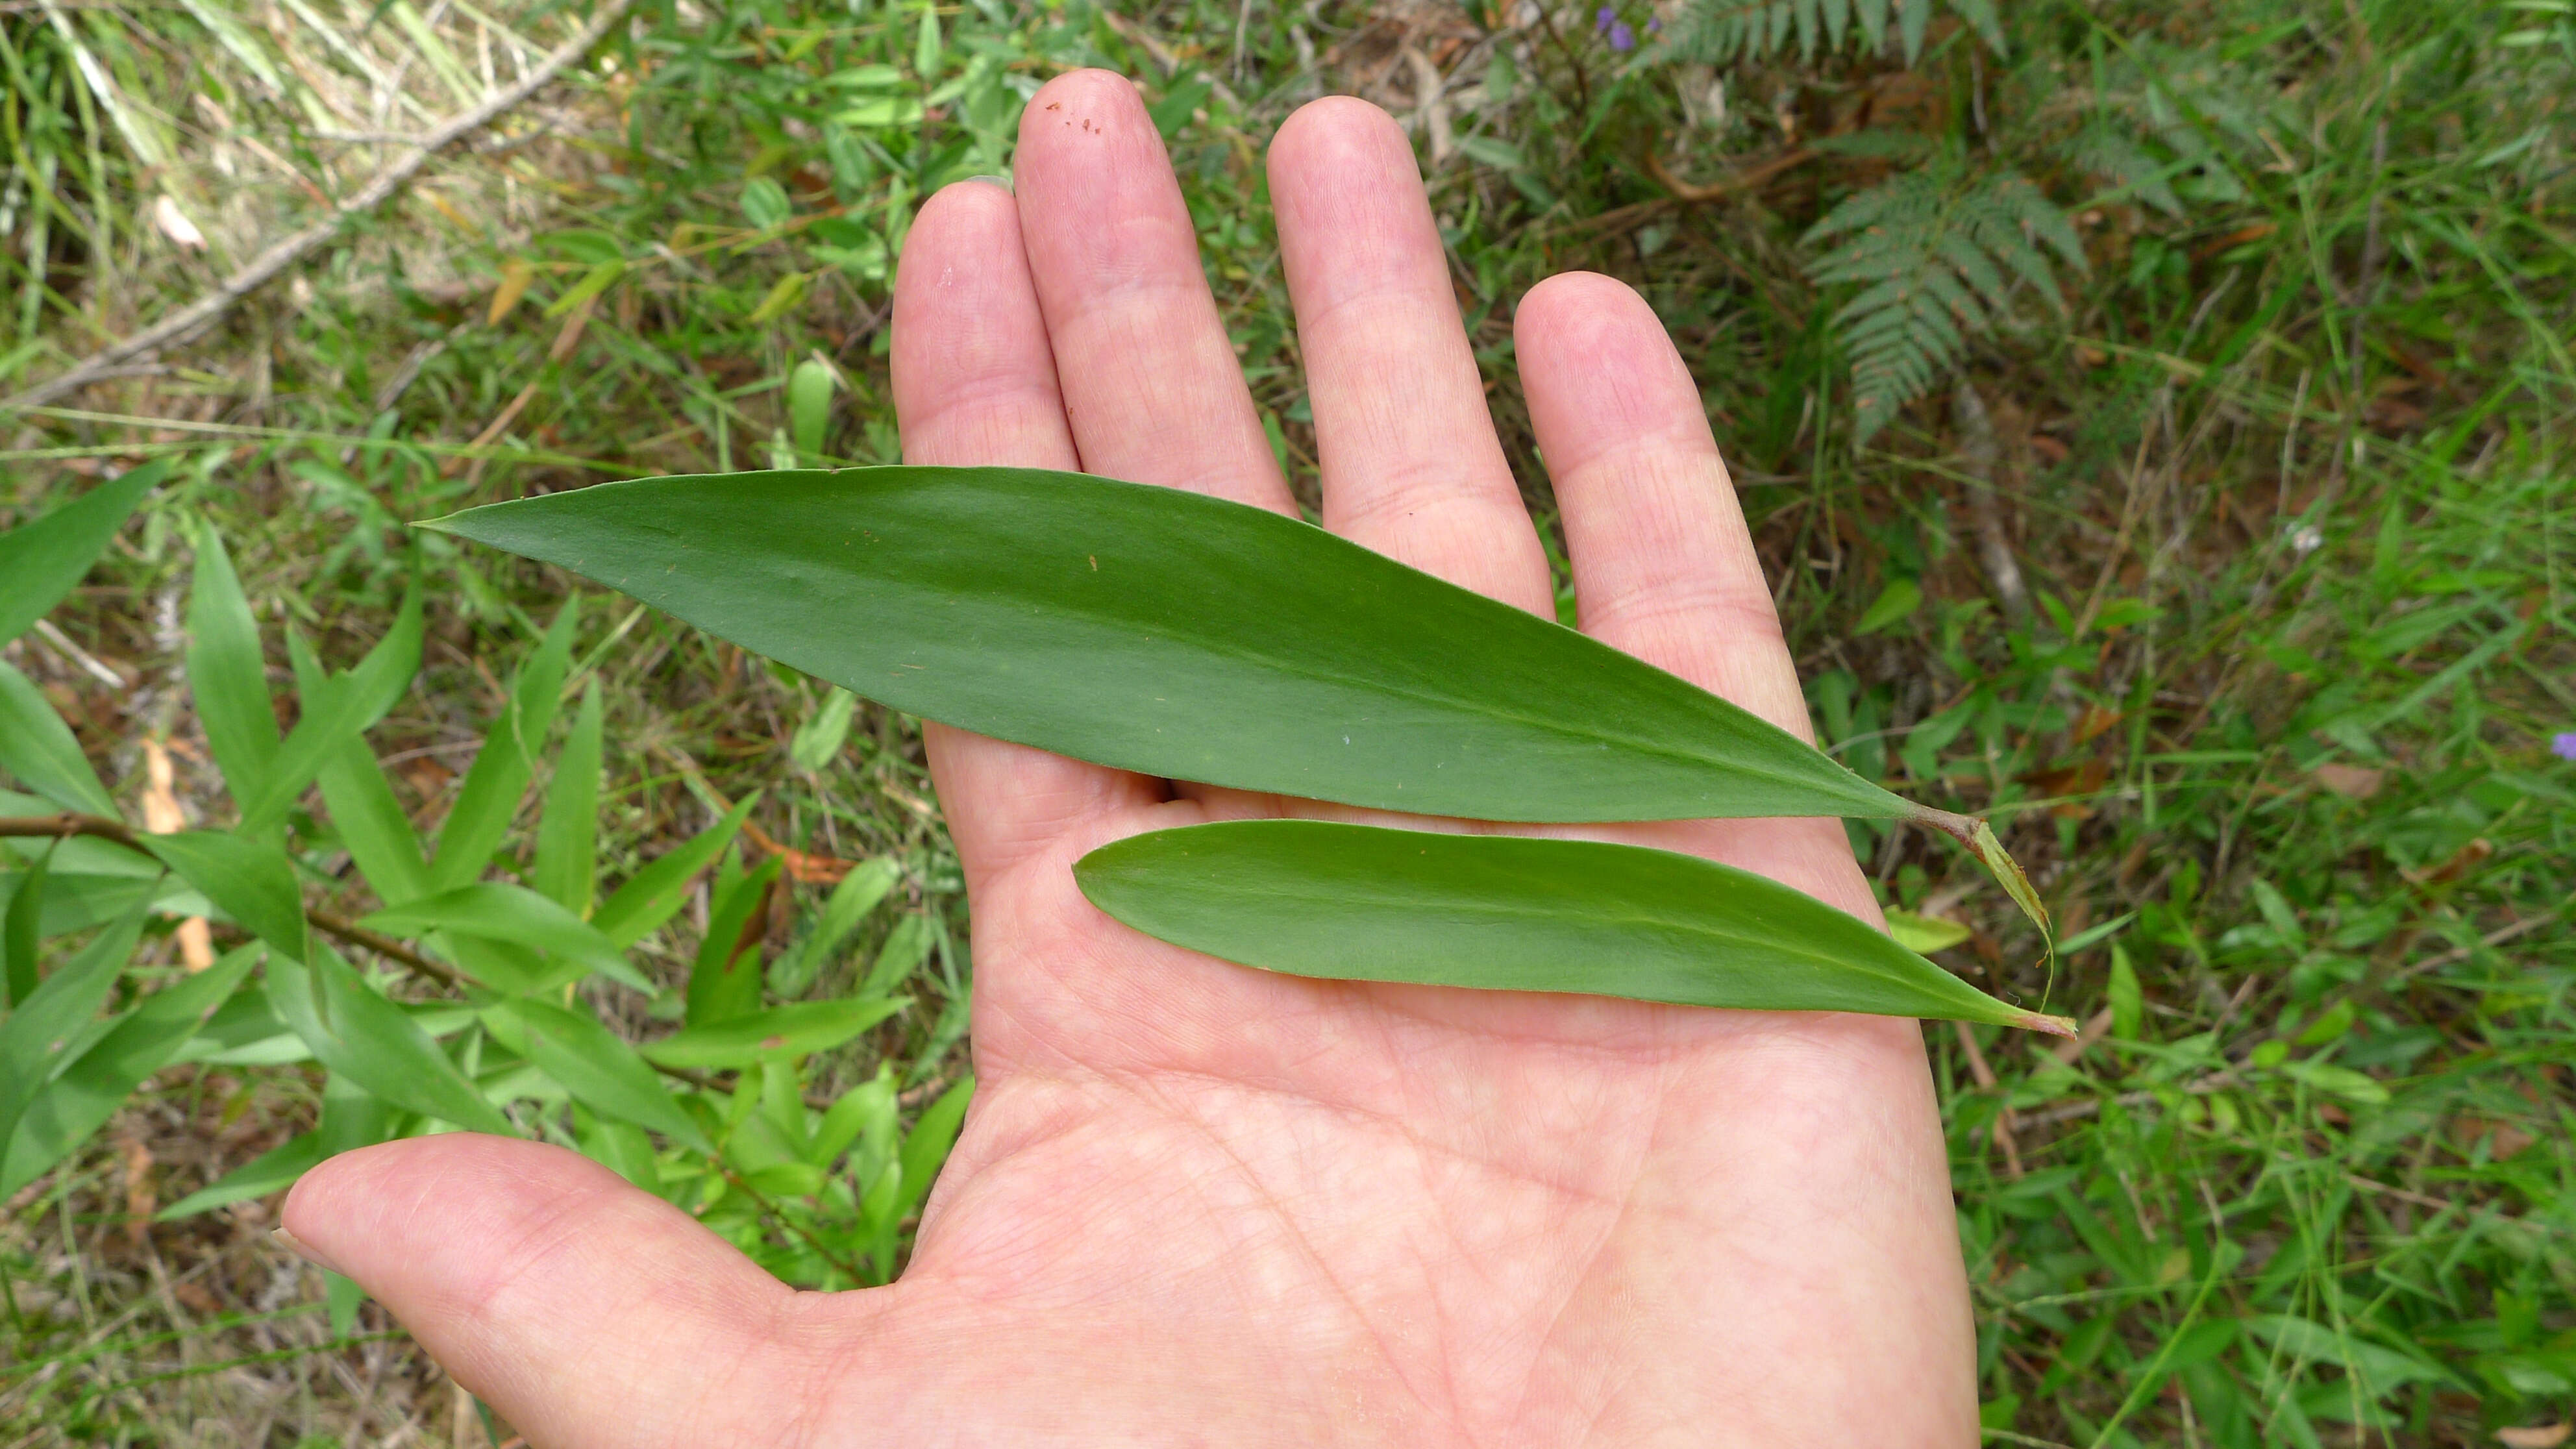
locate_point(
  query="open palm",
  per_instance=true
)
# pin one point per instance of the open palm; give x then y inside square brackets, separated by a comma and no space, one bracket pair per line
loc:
[1198,1204]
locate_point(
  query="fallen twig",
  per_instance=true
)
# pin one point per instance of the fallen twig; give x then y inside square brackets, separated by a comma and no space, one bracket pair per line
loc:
[267,266]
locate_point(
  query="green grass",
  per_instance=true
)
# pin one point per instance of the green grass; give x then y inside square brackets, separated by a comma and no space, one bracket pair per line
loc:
[2287,481]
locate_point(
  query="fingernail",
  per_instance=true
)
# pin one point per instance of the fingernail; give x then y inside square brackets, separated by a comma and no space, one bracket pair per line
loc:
[304,1250]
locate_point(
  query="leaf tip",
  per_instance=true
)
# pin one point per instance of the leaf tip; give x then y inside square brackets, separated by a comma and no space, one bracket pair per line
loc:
[2049,1025]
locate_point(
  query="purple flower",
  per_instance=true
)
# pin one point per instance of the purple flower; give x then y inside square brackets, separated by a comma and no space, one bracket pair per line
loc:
[1654,25]
[1621,37]
[1602,22]
[2563,746]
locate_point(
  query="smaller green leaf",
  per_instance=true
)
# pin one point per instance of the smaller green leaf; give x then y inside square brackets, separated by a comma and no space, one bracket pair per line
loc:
[621,1147]
[809,408]
[90,1090]
[1507,912]
[519,916]
[351,702]
[1924,934]
[858,893]
[38,748]
[372,824]
[356,1032]
[41,561]
[566,867]
[1894,604]
[498,778]
[657,892]
[864,1117]
[906,947]
[793,1031]
[726,980]
[226,676]
[272,1171]
[593,282]
[601,1072]
[19,933]
[251,881]
[926,1146]
[37,1040]
[2128,1003]
[818,741]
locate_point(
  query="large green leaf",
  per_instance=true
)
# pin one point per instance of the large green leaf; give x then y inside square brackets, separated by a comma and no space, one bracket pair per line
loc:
[738,1041]
[498,778]
[1176,634]
[90,1090]
[41,561]
[38,748]
[226,675]
[374,1043]
[601,1072]
[41,1036]
[251,881]
[1507,912]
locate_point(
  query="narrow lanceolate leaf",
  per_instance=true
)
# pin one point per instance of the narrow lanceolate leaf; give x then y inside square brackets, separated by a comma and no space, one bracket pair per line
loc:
[518,916]
[338,714]
[40,561]
[601,1072]
[374,1043]
[89,1091]
[566,868]
[797,1030]
[1355,902]
[655,893]
[251,881]
[489,799]
[37,1039]
[38,748]
[1179,635]
[226,677]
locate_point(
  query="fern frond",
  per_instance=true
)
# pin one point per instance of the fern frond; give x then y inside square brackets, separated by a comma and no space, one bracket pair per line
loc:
[1716,32]
[1937,252]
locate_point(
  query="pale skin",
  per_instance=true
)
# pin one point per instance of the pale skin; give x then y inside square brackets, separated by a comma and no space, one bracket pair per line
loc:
[1200,1204]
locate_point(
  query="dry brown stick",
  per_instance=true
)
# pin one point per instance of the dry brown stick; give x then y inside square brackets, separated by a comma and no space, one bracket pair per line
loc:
[269,264]
[1983,458]
[1749,177]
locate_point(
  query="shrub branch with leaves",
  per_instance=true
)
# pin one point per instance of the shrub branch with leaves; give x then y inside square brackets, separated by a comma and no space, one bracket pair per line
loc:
[478,1011]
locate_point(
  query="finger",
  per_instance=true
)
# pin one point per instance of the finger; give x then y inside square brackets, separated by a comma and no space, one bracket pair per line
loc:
[1664,567]
[974,383]
[1151,384]
[583,1309]
[1411,467]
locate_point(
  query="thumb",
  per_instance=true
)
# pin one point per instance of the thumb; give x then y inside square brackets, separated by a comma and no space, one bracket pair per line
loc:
[585,1310]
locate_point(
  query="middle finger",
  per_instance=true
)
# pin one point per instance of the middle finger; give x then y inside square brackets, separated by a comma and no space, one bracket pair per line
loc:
[1151,385]
[1411,467]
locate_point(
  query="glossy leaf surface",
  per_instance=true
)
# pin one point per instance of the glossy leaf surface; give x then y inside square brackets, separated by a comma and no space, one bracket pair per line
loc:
[1176,634]
[1504,912]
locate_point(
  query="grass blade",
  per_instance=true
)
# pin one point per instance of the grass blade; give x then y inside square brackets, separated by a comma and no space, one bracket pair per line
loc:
[1503,912]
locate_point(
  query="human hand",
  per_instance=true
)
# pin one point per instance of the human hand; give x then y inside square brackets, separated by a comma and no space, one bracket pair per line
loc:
[1196,1203]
